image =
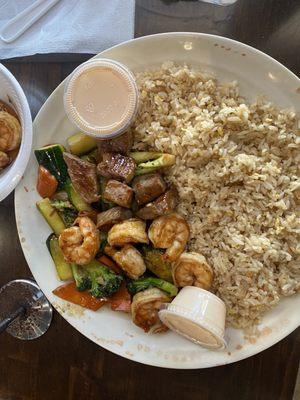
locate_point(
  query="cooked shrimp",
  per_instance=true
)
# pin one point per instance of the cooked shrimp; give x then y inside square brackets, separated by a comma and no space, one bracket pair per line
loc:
[129,259]
[191,269]
[144,308]
[10,132]
[80,244]
[4,159]
[132,230]
[170,232]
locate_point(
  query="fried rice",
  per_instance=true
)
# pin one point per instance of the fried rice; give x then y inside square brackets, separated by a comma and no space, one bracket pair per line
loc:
[237,173]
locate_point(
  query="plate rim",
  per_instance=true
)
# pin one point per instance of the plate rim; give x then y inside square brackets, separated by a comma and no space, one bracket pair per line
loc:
[259,348]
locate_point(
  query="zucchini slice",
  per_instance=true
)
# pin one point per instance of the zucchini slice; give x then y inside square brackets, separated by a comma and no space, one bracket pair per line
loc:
[78,202]
[51,216]
[165,160]
[63,269]
[144,156]
[51,157]
[80,144]
[91,157]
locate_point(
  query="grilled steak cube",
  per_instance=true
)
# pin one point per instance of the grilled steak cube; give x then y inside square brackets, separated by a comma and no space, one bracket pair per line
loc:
[117,166]
[164,204]
[106,219]
[118,193]
[148,187]
[121,144]
[83,176]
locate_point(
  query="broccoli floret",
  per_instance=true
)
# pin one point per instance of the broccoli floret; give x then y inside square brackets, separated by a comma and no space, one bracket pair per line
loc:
[156,263]
[82,278]
[164,160]
[97,278]
[104,282]
[69,216]
[66,210]
[145,283]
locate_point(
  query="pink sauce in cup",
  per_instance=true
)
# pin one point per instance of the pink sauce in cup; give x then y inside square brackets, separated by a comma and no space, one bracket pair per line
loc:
[101,98]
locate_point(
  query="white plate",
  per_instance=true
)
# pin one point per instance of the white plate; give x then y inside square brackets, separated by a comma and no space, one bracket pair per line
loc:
[257,73]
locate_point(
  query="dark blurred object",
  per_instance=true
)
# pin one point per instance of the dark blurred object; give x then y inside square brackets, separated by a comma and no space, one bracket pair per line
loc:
[25,313]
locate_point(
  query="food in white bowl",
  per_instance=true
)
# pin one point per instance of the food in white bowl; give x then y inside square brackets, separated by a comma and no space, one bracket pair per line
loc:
[15,132]
[115,331]
[10,135]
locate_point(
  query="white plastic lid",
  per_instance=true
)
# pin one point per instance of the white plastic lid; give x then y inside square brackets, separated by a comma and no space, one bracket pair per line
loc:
[101,98]
[197,315]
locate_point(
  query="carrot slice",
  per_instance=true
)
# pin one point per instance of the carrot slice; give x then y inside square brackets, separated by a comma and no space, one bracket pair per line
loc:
[121,300]
[47,183]
[69,292]
[109,263]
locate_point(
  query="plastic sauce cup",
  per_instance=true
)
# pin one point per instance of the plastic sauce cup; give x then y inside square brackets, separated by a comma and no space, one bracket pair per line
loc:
[197,315]
[101,98]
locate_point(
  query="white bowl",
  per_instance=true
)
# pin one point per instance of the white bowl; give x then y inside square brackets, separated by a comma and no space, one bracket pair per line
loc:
[12,93]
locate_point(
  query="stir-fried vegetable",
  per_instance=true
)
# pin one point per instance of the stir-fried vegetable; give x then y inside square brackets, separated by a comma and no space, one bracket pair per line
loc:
[121,300]
[51,216]
[156,263]
[61,195]
[66,210]
[47,183]
[51,158]
[100,280]
[63,268]
[146,283]
[81,277]
[81,144]
[70,293]
[76,199]
[104,282]
[144,156]
[165,160]
[91,157]
[109,263]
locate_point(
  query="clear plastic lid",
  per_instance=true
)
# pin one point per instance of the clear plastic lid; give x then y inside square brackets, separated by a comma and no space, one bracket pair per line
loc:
[101,98]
